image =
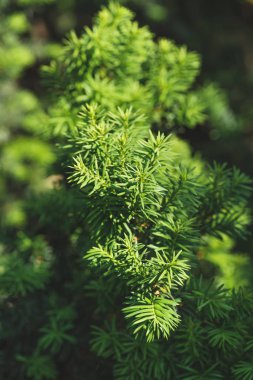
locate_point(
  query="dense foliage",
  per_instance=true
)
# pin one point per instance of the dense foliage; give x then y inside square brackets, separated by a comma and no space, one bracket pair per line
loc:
[127,236]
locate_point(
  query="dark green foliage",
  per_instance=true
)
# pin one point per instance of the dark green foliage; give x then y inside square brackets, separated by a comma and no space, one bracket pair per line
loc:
[209,342]
[38,367]
[224,200]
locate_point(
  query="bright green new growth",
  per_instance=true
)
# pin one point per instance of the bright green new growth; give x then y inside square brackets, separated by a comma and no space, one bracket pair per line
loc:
[146,213]
[117,63]
[130,187]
